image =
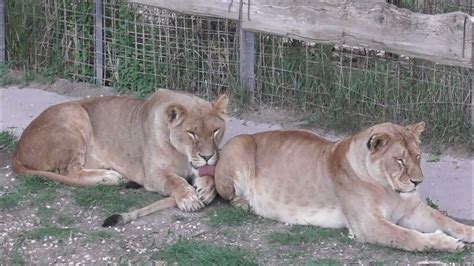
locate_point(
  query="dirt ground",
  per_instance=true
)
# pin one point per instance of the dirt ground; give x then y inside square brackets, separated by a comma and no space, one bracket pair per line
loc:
[43,222]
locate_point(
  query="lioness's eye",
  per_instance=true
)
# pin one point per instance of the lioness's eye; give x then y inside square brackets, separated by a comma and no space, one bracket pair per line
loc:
[215,132]
[418,157]
[191,134]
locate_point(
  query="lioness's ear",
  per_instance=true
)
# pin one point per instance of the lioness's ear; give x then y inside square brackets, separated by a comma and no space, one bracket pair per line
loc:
[417,129]
[175,113]
[378,141]
[220,104]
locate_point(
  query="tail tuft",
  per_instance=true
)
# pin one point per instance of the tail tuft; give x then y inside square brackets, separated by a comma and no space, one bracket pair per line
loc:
[113,220]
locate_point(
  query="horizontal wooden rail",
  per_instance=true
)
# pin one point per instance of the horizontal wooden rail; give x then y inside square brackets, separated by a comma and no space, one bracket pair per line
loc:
[442,38]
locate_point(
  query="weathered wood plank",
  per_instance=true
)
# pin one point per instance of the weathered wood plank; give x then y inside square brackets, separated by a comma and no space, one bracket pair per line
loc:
[440,38]
[211,8]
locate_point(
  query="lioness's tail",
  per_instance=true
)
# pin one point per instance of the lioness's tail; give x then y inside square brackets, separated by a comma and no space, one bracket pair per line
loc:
[20,169]
[127,217]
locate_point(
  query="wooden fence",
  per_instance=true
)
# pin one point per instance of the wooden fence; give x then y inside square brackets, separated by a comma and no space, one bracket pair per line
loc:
[442,38]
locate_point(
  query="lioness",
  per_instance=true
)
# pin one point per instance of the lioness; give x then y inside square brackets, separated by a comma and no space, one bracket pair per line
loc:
[161,143]
[366,182]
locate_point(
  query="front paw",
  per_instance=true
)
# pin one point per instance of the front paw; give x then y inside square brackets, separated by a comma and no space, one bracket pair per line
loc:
[205,188]
[468,235]
[187,200]
[442,241]
[111,177]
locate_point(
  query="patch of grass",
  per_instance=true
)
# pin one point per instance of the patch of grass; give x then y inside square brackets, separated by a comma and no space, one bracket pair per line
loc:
[299,235]
[64,219]
[10,200]
[8,141]
[27,77]
[323,262]
[431,203]
[433,158]
[229,215]
[5,77]
[193,252]
[111,199]
[28,185]
[16,257]
[465,255]
[100,234]
[49,231]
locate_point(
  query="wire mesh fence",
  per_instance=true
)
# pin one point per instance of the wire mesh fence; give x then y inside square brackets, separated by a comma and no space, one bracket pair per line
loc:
[435,6]
[147,47]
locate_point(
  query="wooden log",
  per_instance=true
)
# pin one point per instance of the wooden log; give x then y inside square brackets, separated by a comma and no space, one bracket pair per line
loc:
[439,38]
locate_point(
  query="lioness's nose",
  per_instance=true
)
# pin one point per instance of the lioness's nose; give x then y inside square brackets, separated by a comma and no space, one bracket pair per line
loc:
[416,182]
[206,158]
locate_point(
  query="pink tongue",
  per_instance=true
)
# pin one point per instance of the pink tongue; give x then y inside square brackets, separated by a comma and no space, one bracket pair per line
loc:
[206,170]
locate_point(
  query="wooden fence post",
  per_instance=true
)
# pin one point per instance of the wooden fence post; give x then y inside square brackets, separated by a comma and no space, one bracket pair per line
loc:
[99,52]
[2,32]
[247,57]
[472,75]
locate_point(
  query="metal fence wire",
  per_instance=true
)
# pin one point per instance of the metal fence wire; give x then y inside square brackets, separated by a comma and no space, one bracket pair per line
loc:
[146,48]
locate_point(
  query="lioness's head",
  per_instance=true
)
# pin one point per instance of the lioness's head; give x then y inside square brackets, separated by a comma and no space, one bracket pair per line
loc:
[197,131]
[394,155]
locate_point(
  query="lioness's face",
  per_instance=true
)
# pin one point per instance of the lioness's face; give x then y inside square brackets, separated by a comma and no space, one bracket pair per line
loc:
[197,133]
[394,156]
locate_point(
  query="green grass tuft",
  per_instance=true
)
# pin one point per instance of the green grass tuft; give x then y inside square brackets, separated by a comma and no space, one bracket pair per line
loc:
[192,252]
[64,219]
[323,262]
[457,257]
[8,141]
[42,188]
[111,199]
[49,231]
[10,200]
[433,158]
[229,215]
[431,203]
[299,235]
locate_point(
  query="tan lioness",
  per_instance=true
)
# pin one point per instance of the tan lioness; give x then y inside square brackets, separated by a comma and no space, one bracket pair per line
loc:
[366,182]
[161,143]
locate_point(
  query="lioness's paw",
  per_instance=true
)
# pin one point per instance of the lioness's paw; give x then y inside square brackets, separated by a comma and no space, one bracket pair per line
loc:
[187,200]
[442,241]
[205,188]
[111,177]
[240,202]
[468,234]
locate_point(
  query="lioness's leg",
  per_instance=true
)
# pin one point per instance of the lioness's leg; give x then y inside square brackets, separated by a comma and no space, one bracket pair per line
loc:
[184,194]
[58,139]
[91,177]
[381,231]
[426,219]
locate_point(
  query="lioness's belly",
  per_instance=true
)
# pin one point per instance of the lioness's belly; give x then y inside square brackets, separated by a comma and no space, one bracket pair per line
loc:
[309,205]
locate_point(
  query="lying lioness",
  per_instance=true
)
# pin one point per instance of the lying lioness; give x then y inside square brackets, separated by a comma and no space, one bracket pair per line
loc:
[160,143]
[366,182]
